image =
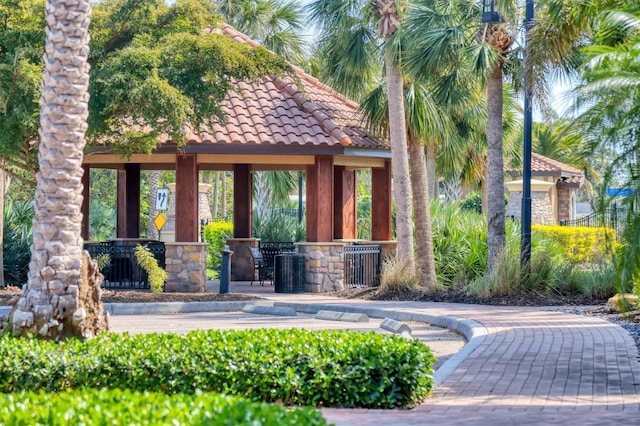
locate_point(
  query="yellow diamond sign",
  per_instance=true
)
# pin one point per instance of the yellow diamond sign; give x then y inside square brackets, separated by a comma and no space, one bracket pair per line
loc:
[159,221]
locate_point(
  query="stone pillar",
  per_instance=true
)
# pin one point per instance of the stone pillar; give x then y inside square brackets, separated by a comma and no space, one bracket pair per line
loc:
[541,209]
[186,263]
[564,204]
[324,266]
[241,261]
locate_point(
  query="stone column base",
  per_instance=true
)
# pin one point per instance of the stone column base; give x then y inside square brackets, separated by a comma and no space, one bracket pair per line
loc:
[186,266]
[324,266]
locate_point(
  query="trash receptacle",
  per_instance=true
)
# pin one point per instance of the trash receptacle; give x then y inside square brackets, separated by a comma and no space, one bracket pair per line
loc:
[289,273]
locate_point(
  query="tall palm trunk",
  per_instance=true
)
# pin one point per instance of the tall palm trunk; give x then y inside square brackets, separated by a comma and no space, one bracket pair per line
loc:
[223,201]
[154,183]
[56,302]
[399,162]
[216,189]
[422,214]
[495,167]
[2,224]
[432,174]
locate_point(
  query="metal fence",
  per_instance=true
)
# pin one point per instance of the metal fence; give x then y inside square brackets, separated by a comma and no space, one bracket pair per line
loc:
[123,270]
[615,218]
[362,265]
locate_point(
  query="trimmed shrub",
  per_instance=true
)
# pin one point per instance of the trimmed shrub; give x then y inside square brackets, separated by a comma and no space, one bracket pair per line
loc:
[216,235]
[397,276]
[581,244]
[294,367]
[102,407]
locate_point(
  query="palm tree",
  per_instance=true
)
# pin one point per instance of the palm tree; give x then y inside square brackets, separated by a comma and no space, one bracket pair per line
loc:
[56,300]
[276,24]
[356,35]
[610,96]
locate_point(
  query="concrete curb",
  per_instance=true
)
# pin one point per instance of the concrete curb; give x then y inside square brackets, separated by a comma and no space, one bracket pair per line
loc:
[270,310]
[473,331]
[395,326]
[4,312]
[341,316]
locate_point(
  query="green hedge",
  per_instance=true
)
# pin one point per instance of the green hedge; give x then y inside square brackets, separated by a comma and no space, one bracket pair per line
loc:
[103,407]
[215,235]
[295,367]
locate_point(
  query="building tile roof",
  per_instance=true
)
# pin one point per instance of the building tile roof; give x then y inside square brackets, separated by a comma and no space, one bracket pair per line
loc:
[286,110]
[545,166]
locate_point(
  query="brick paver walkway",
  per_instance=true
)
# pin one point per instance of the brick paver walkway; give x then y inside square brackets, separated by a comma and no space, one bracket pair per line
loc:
[535,367]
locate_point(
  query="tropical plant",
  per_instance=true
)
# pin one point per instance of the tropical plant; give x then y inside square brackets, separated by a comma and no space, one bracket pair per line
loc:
[55,269]
[356,42]
[276,24]
[148,262]
[18,223]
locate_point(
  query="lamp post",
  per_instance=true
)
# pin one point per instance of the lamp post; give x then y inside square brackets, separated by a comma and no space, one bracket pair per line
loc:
[491,15]
[525,236]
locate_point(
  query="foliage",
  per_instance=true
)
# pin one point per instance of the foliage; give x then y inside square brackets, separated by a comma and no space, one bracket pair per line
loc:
[215,235]
[103,260]
[278,225]
[148,262]
[92,406]
[102,220]
[18,217]
[459,243]
[293,367]
[580,244]
[472,203]
[397,276]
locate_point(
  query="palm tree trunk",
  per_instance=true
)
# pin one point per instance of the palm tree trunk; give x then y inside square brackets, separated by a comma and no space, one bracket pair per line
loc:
[432,174]
[399,162]
[495,169]
[223,202]
[56,301]
[2,224]
[154,182]
[422,214]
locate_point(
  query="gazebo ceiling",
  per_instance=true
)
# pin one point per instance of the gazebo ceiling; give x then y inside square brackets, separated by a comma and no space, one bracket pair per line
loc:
[289,119]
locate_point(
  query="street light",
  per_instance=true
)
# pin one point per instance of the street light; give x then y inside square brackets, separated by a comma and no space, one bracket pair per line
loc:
[489,12]
[491,15]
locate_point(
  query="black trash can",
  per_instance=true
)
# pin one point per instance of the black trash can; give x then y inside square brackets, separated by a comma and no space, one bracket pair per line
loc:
[289,273]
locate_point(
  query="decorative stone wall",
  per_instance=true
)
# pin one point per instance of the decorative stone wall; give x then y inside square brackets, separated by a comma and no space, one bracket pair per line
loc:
[541,208]
[324,266]
[564,204]
[185,265]
[241,261]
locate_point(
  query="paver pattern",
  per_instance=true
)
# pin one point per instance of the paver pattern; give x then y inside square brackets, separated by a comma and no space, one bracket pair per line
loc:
[535,367]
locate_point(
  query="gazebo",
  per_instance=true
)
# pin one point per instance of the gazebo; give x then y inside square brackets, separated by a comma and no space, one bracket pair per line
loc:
[278,123]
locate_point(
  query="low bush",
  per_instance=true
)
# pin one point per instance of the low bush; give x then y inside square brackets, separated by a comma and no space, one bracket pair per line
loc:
[148,262]
[294,367]
[215,235]
[102,407]
[581,244]
[397,276]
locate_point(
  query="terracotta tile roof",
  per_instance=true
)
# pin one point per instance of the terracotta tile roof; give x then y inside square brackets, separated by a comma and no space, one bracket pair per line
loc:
[286,110]
[545,166]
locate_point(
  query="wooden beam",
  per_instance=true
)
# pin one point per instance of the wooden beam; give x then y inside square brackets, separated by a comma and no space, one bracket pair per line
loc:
[97,159]
[86,184]
[344,203]
[320,200]
[186,198]
[128,202]
[381,203]
[242,195]
[287,160]
[358,162]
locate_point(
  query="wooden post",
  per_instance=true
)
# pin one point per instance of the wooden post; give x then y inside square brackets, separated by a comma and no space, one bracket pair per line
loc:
[320,200]
[186,198]
[381,203]
[344,203]
[128,204]
[86,183]
[242,194]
